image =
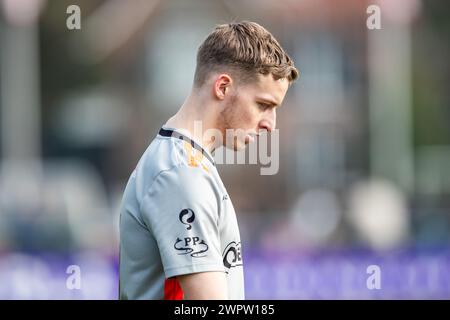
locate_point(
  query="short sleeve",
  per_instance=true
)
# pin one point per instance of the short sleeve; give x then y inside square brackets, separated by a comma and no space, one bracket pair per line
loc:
[181,210]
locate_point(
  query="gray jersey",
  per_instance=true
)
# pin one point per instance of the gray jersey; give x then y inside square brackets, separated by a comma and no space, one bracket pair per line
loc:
[176,218]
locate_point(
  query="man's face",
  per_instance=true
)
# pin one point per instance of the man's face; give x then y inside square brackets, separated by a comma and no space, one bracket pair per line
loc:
[250,108]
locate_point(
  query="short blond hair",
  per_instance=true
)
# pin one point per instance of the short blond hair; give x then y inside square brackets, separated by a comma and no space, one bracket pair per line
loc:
[243,49]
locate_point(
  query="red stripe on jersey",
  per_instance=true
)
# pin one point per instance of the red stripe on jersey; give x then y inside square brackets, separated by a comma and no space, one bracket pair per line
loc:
[172,290]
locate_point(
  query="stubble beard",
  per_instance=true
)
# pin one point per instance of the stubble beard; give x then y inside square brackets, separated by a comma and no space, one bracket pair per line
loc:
[228,120]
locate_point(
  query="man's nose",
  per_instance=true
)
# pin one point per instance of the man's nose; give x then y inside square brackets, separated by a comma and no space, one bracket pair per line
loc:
[269,121]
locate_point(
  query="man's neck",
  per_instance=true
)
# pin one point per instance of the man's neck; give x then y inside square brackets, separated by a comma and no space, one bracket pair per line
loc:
[194,118]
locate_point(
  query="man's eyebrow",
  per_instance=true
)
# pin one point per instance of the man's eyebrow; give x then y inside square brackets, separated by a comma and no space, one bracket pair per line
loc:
[269,101]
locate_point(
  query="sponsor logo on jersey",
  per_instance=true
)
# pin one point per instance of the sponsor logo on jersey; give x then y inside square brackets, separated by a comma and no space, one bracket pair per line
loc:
[232,255]
[187,216]
[194,246]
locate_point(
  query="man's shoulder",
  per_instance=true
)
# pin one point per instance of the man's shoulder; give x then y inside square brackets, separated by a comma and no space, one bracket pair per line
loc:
[165,154]
[174,161]
[162,154]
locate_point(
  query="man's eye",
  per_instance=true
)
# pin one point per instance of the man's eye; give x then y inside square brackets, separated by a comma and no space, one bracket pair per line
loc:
[263,106]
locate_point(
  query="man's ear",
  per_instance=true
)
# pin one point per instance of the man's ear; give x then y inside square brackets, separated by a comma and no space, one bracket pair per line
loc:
[222,86]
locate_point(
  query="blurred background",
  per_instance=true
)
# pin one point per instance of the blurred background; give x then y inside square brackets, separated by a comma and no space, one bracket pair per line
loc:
[364,175]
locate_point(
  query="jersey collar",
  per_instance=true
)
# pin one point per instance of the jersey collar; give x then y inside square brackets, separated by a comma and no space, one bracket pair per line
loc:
[166,132]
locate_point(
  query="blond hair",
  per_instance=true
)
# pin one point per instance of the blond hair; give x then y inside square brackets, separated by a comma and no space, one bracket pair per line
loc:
[244,49]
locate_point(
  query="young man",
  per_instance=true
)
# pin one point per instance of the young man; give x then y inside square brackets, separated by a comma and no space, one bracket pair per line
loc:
[179,233]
